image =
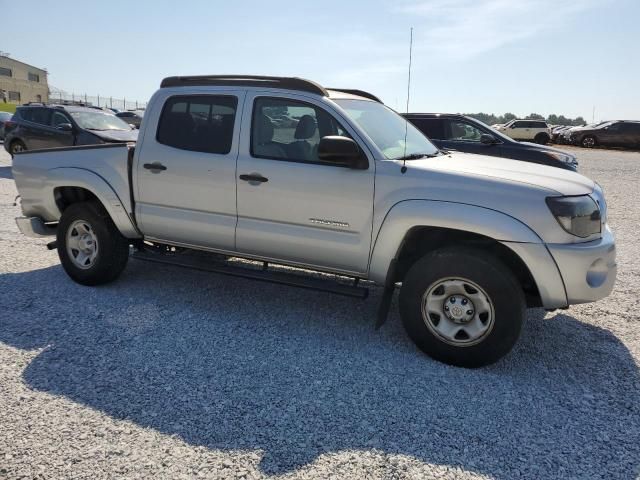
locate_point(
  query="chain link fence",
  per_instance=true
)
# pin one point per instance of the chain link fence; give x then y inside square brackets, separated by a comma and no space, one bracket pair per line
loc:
[66,98]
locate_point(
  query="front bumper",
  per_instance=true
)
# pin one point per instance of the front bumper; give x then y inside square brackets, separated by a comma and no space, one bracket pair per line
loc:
[35,227]
[588,269]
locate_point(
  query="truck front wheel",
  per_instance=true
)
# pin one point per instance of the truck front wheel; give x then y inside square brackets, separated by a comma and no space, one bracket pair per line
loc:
[91,249]
[462,306]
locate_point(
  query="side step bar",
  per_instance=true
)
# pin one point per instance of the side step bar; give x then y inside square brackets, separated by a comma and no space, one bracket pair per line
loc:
[202,263]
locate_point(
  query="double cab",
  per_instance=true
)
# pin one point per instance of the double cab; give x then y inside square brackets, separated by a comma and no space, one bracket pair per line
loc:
[283,170]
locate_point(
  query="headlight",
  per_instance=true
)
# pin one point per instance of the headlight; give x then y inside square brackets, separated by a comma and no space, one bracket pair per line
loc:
[563,157]
[579,216]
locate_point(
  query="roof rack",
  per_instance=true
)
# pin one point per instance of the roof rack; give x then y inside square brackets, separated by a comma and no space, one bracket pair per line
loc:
[291,83]
[360,93]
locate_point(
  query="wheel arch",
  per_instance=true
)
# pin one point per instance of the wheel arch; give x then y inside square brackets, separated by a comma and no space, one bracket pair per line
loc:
[421,240]
[72,185]
[415,227]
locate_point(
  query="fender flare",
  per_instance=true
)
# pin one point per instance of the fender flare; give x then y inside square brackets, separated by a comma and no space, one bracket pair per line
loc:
[91,181]
[408,214]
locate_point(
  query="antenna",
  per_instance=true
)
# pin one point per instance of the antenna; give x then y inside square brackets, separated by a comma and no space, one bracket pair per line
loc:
[406,125]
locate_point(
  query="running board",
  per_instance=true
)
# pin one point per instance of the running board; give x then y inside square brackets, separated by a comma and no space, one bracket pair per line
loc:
[202,263]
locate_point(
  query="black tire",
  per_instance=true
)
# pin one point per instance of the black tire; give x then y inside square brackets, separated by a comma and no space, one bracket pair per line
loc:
[491,275]
[16,147]
[541,139]
[589,141]
[112,248]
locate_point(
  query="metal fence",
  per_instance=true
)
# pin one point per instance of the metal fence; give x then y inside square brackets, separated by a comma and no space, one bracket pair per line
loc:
[97,100]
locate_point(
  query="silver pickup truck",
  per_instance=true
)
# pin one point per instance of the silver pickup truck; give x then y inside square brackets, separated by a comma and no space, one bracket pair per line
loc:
[282,170]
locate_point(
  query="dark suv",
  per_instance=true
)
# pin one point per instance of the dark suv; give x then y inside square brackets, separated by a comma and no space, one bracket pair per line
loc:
[465,134]
[620,133]
[48,126]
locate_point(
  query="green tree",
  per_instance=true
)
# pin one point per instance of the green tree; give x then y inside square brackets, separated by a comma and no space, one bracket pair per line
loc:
[488,118]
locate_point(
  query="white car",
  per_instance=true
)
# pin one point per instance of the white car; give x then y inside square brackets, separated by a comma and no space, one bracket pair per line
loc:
[527,130]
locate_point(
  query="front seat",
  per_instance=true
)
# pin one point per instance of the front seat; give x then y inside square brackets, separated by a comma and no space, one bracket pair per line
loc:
[301,148]
[264,146]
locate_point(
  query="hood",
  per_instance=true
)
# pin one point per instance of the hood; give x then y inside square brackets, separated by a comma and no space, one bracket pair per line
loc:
[579,129]
[116,135]
[546,148]
[560,181]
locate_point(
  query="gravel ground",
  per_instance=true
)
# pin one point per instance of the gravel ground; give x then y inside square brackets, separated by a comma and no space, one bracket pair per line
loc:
[170,373]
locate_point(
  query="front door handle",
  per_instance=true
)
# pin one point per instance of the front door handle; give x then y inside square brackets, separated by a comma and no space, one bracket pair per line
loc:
[253,177]
[154,166]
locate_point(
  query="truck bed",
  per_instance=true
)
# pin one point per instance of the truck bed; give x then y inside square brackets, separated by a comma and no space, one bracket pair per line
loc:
[40,174]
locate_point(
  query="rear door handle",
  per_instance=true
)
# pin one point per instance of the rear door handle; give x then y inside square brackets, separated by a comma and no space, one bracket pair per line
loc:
[253,177]
[154,166]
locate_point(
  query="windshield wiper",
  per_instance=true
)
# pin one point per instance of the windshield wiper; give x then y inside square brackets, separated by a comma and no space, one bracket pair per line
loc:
[417,156]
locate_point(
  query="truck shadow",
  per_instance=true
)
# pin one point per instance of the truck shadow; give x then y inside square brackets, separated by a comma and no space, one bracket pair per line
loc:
[229,363]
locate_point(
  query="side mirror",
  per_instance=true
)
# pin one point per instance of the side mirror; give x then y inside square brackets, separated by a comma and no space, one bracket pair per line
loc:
[65,127]
[133,127]
[488,139]
[513,126]
[342,151]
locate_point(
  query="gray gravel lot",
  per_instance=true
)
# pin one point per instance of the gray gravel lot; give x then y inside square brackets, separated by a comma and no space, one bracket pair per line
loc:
[170,373]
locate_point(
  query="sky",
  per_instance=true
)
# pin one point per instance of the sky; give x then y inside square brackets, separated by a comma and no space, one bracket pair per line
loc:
[495,56]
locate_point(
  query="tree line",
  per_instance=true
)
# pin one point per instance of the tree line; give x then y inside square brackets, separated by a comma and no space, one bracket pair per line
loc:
[553,119]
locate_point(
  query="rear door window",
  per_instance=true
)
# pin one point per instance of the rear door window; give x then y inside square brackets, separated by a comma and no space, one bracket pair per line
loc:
[36,115]
[200,123]
[431,127]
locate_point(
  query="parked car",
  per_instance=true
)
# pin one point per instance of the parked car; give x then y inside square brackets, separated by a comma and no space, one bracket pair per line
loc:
[465,134]
[354,190]
[35,127]
[4,117]
[619,133]
[556,132]
[532,130]
[131,117]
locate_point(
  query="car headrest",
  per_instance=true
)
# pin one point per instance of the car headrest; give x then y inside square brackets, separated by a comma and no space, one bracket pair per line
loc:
[306,128]
[264,130]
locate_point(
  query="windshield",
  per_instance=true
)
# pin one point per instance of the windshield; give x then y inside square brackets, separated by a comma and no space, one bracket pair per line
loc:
[388,130]
[99,121]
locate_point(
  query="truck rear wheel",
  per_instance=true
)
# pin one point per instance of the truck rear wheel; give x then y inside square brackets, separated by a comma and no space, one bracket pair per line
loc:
[91,249]
[462,307]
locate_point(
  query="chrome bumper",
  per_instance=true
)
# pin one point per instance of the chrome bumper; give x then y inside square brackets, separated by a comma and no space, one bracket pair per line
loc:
[588,269]
[35,227]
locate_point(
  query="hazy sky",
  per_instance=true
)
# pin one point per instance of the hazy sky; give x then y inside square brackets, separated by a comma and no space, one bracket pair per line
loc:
[523,56]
